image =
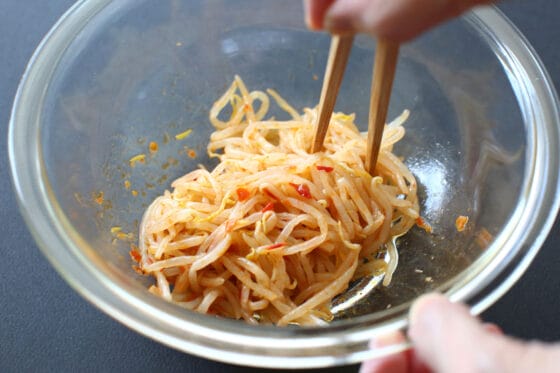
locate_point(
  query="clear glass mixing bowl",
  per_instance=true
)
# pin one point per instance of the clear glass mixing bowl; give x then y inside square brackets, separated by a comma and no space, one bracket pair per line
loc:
[113,76]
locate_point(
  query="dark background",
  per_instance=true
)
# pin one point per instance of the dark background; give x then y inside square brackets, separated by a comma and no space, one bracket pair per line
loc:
[46,326]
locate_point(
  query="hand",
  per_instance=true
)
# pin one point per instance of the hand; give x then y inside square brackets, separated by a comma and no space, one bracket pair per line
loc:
[447,339]
[397,20]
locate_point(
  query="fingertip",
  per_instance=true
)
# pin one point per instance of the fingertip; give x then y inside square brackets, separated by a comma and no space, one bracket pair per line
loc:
[344,16]
[432,313]
[435,324]
[315,11]
[338,26]
[308,11]
[426,305]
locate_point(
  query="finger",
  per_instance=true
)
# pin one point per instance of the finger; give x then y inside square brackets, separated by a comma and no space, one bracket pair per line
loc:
[449,339]
[398,20]
[443,334]
[395,363]
[315,11]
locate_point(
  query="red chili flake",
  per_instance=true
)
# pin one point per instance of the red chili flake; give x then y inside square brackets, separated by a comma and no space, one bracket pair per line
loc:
[246,107]
[461,222]
[153,147]
[268,207]
[423,224]
[302,189]
[268,193]
[324,168]
[242,194]
[135,255]
[98,198]
[276,246]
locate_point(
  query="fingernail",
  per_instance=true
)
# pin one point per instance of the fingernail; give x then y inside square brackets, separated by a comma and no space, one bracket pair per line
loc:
[493,329]
[386,340]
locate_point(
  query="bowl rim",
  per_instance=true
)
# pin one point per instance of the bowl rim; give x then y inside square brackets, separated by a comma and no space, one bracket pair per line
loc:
[225,340]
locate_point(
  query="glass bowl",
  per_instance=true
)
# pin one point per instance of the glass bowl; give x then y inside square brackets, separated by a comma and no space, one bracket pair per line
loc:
[111,77]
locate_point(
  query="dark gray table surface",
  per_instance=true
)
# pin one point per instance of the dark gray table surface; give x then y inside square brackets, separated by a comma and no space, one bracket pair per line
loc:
[46,326]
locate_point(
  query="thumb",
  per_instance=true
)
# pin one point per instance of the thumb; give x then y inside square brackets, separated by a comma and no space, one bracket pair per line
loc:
[448,339]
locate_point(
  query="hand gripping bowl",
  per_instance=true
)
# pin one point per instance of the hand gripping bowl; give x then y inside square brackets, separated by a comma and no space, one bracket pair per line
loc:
[482,140]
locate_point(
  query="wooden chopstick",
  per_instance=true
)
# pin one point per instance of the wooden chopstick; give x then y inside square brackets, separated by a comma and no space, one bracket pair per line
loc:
[384,68]
[339,51]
